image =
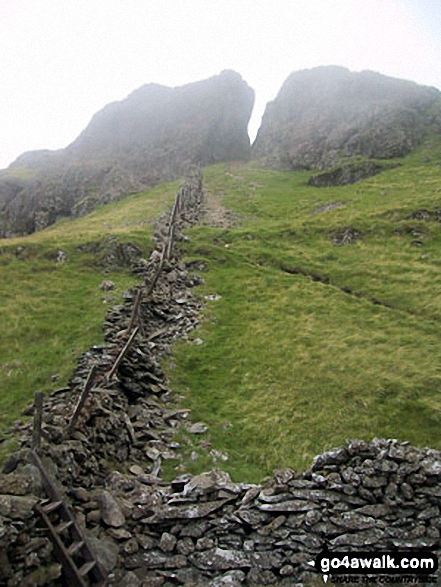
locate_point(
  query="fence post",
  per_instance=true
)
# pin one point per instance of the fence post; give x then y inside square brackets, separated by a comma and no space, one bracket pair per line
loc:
[82,399]
[121,355]
[38,420]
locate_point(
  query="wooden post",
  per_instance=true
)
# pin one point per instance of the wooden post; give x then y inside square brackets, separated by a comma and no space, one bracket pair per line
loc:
[38,420]
[82,399]
[152,284]
[121,355]
[135,310]
[169,246]
[172,225]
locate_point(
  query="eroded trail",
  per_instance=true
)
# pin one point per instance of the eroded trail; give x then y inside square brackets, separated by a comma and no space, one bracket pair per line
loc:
[215,214]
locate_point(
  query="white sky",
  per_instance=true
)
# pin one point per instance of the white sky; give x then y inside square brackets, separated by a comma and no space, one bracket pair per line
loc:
[61,61]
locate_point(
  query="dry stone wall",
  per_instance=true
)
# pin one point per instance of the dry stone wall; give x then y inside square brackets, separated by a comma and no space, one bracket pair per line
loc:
[199,530]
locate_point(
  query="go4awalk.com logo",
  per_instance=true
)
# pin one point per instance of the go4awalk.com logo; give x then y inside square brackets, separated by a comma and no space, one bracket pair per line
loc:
[405,567]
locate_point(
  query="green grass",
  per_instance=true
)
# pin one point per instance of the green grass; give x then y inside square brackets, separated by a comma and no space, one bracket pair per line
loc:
[51,312]
[290,366]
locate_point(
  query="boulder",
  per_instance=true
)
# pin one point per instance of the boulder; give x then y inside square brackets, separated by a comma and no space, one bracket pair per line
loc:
[110,510]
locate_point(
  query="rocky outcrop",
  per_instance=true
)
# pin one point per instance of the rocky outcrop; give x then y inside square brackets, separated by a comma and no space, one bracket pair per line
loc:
[147,138]
[347,174]
[327,114]
[202,122]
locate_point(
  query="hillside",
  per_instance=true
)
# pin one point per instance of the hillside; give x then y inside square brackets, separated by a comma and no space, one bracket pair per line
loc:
[238,377]
[148,138]
[52,306]
[326,327]
[327,323]
[315,326]
[324,116]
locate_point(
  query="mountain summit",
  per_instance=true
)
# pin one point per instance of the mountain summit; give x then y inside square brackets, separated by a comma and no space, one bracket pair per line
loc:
[328,113]
[149,137]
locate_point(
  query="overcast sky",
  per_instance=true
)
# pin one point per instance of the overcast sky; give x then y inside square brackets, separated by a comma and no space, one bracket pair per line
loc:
[61,61]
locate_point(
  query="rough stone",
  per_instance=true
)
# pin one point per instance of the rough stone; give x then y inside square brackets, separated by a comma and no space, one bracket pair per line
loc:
[110,511]
[15,484]
[325,116]
[167,542]
[197,428]
[229,579]
[218,559]
[17,507]
[105,550]
[155,559]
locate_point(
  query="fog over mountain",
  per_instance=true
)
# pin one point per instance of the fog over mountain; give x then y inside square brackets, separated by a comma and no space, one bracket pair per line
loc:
[321,118]
[150,137]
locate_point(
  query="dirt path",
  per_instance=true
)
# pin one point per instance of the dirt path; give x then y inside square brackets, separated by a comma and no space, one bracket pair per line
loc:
[215,214]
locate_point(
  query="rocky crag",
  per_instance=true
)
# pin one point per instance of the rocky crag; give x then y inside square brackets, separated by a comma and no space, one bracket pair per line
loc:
[325,115]
[150,137]
[320,119]
[199,530]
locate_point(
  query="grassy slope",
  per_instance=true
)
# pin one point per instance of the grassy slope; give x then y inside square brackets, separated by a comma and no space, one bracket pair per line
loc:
[289,366]
[51,312]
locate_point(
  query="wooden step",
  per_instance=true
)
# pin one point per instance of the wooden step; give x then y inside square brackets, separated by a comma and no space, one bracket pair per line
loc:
[52,506]
[75,547]
[63,526]
[74,543]
[86,568]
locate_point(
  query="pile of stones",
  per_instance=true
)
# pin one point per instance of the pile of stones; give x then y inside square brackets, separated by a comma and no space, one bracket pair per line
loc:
[205,530]
[196,530]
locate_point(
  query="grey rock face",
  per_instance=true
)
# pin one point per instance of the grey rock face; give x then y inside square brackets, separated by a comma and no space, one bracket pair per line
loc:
[347,174]
[326,114]
[149,137]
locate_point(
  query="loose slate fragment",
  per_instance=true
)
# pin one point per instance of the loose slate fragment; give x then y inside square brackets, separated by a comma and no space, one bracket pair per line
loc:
[190,512]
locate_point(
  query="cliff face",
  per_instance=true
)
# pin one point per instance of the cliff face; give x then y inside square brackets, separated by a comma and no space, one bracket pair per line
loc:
[204,121]
[149,137]
[326,114]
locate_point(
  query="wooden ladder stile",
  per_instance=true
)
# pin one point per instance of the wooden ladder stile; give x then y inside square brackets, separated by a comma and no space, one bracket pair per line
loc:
[78,561]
